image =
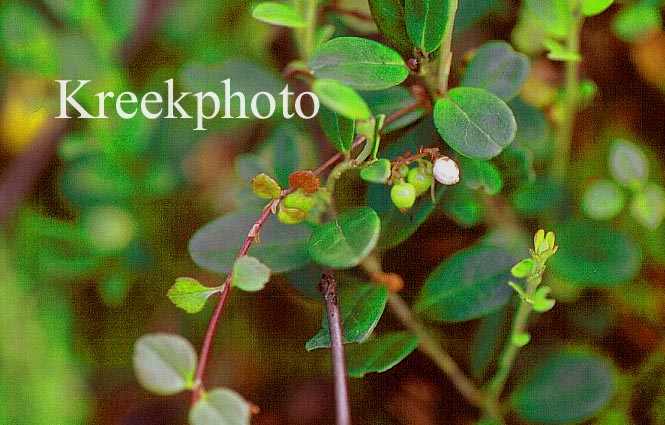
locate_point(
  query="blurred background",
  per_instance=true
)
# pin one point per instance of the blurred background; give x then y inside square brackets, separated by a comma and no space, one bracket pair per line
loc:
[96,214]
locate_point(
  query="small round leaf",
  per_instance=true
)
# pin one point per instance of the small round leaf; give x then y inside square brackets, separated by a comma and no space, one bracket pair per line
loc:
[220,406]
[474,122]
[497,68]
[189,295]
[603,200]
[565,388]
[346,241]
[164,363]
[249,274]
[628,164]
[648,206]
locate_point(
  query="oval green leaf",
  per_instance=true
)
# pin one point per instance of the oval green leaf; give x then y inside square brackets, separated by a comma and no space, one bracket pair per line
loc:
[637,20]
[389,18]
[497,68]
[628,164]
[648,206]
[470,284]
[220,406]
[278,14]
[426,22]
[362,306]
[189,295]
[215,246]
[341,99]
[249,274]
[379,354]
[337,128]
[592,254]
[358,63]
[565,388]
[346,241]
[603,200]
[474,122]
[164,363]
[594,7]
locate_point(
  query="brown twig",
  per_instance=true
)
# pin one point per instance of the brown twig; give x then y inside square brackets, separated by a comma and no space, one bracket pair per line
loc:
[328,288]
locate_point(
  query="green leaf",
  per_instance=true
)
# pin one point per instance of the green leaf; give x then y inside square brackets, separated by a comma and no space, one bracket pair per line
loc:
[215,246]
[377,172]
[637,20]
[648,206]
[379,354]
[426,22]
[554,16]
[341,99]
[497,68]
[346,241]
[463,206]
[468,285]
[541,303]
[603,200]
[470,11]
[265,187]
[358,63]
[474,122]
[391,100]
[278,14]
[559,52]
[289,150]
[592,254]
[337,128]
[480,175]
[543,195]
[523,268]
[595,7]
[361,308]
[565,388]
[249,274]
[628,164]
[164,363]
[389,17]
[486,342]
[189,295]
[221,406]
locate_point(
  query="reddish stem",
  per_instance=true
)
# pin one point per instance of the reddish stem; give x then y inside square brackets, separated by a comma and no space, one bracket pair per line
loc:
[252,236]
[221,303]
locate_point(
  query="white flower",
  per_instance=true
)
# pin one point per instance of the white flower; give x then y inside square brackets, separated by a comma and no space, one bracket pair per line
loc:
[446,171]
